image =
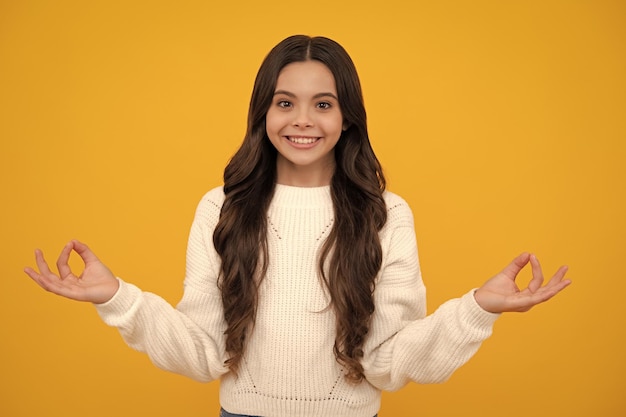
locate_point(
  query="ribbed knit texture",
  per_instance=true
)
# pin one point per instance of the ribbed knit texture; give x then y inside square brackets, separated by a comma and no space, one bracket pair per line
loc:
[289,368]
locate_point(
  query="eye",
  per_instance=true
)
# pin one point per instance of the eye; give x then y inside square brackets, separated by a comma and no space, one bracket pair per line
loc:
[284,104]
[324,105]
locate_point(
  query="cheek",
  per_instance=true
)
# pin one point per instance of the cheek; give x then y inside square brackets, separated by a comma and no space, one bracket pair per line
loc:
[336,125]
[273,123]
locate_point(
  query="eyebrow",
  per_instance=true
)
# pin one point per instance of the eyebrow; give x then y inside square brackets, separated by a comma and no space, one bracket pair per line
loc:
[318,95]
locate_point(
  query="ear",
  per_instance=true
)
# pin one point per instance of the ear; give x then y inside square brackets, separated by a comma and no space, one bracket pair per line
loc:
[345,126]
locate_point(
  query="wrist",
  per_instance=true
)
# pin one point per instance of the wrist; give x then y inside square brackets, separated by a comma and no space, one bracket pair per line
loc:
[483,301]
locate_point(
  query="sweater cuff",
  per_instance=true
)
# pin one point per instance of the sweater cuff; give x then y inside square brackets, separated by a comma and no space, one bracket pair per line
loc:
[120,308]
[476,315]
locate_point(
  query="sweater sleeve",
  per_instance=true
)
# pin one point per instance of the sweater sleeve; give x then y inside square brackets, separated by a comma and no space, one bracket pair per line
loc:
[188,339]
[404,344]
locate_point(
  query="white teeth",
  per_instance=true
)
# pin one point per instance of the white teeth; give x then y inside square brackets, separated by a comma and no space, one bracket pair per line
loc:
[302,141]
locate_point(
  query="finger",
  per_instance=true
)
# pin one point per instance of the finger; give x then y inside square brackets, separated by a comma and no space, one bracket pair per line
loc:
[547,292]
[559,275]
[48,281]
[34,275]
[42,265]
[512,269]
[63,261]
[537,280]
[84,252]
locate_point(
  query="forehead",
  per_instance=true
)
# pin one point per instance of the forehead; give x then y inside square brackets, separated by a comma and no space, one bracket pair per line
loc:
[306,76]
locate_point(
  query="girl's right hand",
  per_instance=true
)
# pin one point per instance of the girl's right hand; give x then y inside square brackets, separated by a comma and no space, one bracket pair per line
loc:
[96,284]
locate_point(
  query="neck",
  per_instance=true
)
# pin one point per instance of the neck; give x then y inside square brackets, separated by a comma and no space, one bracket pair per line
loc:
[304,176]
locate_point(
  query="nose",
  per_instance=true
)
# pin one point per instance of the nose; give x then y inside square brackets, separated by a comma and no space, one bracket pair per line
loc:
[302,118]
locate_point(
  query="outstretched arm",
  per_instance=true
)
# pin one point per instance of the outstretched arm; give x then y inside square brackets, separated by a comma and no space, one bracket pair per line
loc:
[501,293]
[405,344]
[187,340]
[96,284]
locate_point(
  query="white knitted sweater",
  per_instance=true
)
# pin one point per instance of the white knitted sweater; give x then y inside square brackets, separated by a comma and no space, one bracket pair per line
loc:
[289,368]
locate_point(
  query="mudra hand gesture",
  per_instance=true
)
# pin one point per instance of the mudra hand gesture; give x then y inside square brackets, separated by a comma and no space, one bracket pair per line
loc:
[96,284]
[501,293]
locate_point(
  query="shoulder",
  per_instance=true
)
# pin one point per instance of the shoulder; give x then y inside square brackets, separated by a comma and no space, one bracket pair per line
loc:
[210,204]
[214,196]
[399,212]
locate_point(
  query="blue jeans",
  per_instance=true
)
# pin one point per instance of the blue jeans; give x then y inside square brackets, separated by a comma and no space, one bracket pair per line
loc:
[224,413]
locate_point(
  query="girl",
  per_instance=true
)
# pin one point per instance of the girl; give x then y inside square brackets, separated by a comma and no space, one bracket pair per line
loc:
[303,292]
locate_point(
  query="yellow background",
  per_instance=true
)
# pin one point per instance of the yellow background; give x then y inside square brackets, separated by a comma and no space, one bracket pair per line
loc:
[502,123]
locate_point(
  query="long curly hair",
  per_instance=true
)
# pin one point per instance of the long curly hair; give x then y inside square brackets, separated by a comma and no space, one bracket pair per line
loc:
[351,256]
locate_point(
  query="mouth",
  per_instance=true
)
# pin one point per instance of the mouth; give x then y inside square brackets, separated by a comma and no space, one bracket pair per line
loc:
[302,140]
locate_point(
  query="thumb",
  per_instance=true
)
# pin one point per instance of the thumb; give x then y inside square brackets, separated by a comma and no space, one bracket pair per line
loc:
[516,265]
[84,252]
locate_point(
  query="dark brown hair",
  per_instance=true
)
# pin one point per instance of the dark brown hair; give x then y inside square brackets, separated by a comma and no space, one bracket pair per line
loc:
[351,256]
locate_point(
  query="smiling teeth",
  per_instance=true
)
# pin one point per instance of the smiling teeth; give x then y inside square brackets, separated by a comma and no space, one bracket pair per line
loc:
[302,141]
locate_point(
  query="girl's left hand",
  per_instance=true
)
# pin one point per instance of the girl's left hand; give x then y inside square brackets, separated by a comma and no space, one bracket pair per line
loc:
[501,293]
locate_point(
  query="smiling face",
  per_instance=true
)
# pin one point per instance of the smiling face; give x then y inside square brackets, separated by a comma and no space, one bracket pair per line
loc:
[304,123]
